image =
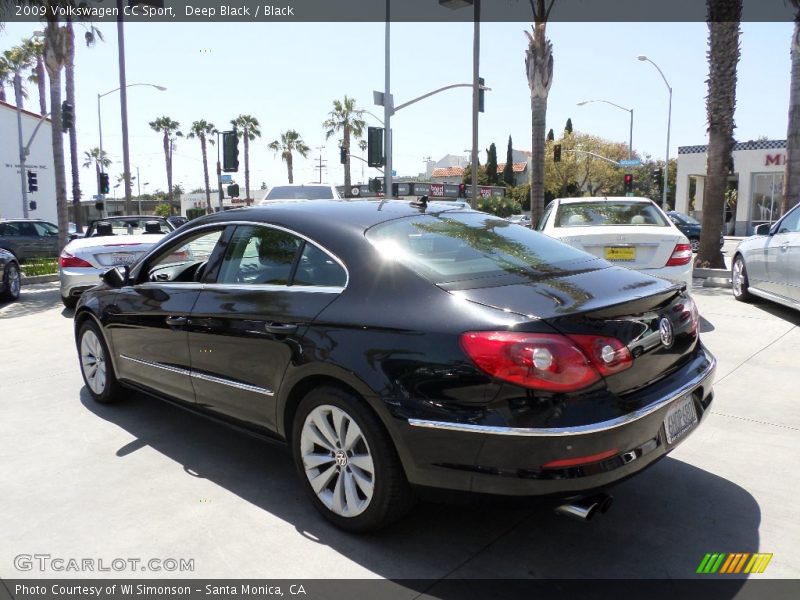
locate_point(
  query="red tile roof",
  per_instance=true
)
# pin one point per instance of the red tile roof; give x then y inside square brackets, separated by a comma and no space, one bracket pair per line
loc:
[448,172]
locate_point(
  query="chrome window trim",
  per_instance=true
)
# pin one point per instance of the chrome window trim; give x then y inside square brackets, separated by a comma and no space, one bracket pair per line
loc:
[688,387]
[271,287]
[196,375]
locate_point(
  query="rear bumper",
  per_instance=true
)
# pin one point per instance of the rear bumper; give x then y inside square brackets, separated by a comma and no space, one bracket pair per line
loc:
[507,460]
[682,274]
[74,281]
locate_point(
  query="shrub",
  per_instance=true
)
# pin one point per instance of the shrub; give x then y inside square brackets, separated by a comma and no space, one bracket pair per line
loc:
[40,266]
[502,207]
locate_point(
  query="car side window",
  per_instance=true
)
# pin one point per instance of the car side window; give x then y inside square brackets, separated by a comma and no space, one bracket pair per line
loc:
[46,229]
[791,223]
[259,255]
[184,261]
[26,228]
[9,229]
[316,268]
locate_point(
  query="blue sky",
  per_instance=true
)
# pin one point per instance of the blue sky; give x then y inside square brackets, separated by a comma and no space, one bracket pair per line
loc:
[288,75]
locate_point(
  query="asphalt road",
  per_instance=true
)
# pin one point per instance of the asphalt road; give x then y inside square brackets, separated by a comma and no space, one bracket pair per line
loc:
[146,480]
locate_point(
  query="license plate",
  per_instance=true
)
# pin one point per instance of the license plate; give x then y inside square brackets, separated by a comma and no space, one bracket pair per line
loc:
[122,258]
[680,418]
[620,253]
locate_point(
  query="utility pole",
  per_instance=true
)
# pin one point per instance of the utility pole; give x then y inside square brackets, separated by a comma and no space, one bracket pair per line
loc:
[123,103]
[320,167]
[22,174]
[219,174]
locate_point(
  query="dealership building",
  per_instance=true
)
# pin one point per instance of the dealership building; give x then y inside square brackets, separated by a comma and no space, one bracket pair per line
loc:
[39,160]
[757,179]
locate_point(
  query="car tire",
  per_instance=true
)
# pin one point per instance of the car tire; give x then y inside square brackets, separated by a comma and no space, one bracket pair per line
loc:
[69,301]
[695,242]
[96,367]
[739,282]
[355,480]
[12,282]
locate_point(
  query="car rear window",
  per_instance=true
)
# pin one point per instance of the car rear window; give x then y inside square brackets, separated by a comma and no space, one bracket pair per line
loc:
[300,192]
[604,213]
[456,246]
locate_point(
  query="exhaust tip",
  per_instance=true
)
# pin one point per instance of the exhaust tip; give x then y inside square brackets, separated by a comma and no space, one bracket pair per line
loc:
[584,509]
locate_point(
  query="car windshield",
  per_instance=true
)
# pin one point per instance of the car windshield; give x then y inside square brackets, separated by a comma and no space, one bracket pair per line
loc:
[685,219]
[604,213]
[130,226]
[457,246]
[300,192]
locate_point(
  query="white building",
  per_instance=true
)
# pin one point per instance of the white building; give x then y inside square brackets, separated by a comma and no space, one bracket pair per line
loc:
[758,168]
[39,160]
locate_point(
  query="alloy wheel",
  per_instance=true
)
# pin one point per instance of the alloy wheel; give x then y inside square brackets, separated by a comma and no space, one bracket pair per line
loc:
[337,460]
[93,362]
[738,276]
[13,280]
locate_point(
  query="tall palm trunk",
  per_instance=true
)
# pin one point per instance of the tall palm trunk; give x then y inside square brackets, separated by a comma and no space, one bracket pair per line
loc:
[69,85]
[290,166]
[247,164]
[539,69]
[2,93]
[723,57]
[209,210]
[54,62]
[347,184]
[41,82]
[791,177]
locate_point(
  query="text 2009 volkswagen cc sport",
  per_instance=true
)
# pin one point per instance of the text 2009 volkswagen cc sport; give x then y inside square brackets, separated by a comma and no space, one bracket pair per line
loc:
[400,346]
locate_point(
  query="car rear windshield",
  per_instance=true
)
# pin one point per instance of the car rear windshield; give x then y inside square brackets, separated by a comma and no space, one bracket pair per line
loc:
[300,192]
[604,213]
[455,246]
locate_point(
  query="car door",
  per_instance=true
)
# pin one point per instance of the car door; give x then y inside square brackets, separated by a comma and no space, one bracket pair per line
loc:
[11,239]
[787,263]
[47,242]
[27,241]
[249,320]
[149,318]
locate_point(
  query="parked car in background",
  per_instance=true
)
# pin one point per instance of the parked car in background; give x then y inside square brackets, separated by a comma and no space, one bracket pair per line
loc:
[10,280]
[691,228]
[83,260]
[627,231]
[767,265]
[29,238]
[177,220]
[300,191]
[130,225]
[404,345]
[524,219]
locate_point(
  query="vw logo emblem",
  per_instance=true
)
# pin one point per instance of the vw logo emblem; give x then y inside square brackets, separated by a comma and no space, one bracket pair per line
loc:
[665,330]
[341,458]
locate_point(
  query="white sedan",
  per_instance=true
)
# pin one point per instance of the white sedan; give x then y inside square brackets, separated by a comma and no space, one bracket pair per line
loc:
[83,260]
[627,231]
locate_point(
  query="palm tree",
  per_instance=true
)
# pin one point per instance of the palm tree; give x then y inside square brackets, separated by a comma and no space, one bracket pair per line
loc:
[6,77]
[93,157]
[54,58]
[169,128]
[35,47]
[791,177]
[345,118]
[202,130]
[723,18]
[290,142]
[539,70]
[250,130]
[17,60]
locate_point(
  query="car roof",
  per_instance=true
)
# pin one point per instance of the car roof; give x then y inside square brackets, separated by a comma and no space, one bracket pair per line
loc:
[604,199]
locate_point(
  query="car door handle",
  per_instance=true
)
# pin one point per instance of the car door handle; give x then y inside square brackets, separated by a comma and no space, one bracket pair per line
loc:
[784,246]
[280,328]
[176,321]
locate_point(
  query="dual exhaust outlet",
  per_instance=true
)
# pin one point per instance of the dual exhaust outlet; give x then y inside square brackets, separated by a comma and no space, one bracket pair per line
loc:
[585,508]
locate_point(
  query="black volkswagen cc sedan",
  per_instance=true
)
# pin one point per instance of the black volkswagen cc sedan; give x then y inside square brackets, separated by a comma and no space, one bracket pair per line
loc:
[401,346]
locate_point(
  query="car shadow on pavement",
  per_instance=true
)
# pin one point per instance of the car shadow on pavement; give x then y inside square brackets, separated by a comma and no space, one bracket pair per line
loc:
[661,525]
[33,299]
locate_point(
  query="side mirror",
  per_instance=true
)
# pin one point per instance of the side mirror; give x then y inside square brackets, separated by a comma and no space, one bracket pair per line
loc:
[73,236]
[762,229]
[116,277]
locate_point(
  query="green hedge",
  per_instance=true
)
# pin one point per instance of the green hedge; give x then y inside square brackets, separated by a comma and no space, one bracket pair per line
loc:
[502,207]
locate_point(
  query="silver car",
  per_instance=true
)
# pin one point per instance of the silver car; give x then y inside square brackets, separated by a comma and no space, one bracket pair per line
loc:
[767,265]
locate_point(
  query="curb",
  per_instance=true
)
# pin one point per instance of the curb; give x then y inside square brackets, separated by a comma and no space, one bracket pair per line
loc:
[713,278]
[34,279]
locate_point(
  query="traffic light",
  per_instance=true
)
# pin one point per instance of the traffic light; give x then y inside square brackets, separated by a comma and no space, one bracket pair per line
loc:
[658,178]
[342,154]
[233,190]
[628,183]
[67,116]
[375,157]
[230,151]
[462,190]
[376,184]
[480,94]
[32,205]
[102,183]
[557,153]
[33,181]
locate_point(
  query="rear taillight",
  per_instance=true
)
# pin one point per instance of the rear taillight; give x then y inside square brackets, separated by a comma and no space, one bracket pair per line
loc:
[681,255]
[548,362]
[68,260]
[688,315]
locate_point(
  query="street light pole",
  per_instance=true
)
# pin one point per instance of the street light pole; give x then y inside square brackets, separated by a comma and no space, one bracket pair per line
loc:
[669,125]
[387,110]
[476,53]
[629,110]
[22,177]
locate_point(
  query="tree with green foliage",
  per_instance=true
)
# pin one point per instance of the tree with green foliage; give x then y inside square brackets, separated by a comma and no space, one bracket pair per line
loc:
[550,135]
[791,179]
[508,169]
[169,129]
[204,132]
[289,143]
[491,164]
[568,127]
[579,173]
[348,120]
[250,129]
[163,210]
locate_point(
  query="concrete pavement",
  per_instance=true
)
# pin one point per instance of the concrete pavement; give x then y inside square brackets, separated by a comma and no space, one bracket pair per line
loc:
[143,479]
